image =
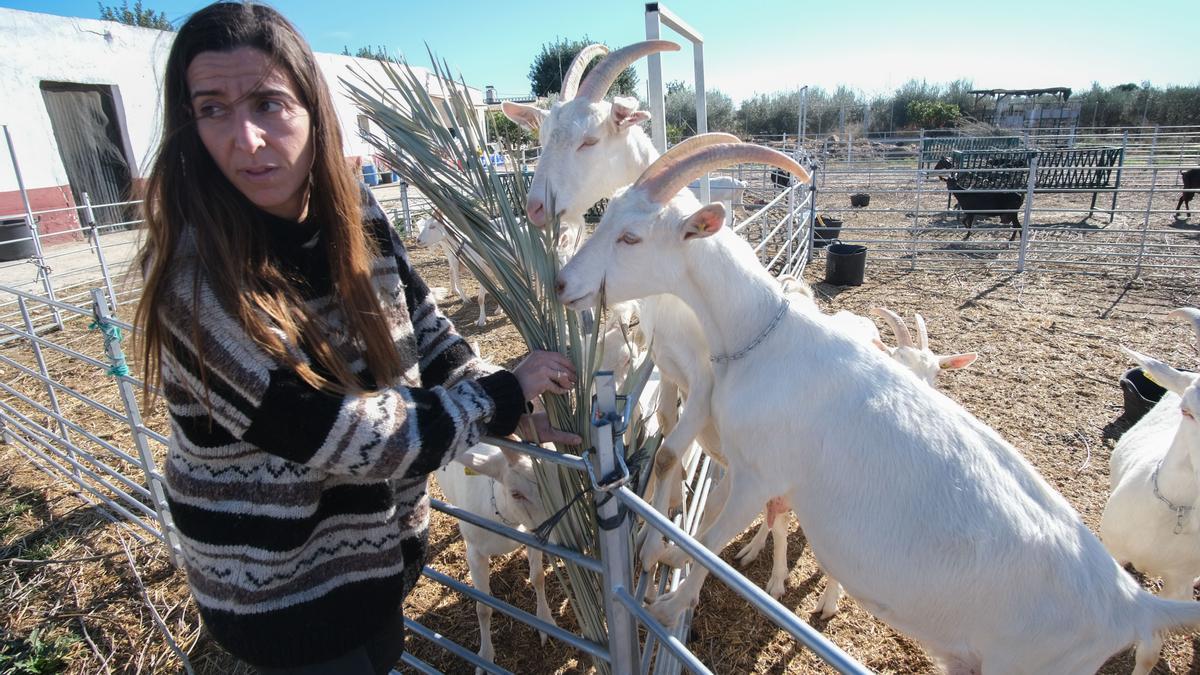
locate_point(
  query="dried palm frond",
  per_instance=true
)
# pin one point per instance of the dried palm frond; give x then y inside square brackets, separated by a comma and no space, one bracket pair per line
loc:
[435,146]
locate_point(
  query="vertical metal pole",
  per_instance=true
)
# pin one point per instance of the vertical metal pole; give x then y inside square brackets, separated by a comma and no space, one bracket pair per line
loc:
[803,114]
[43,274]
[46,380]
[1137,272]
[616,550]
[404,206]
[94,232]
[849,146]
[1030,181]
[1112,207]
[1153,144]
[654,83]
[916,215]
[701,111]
[812,215]
[129,398]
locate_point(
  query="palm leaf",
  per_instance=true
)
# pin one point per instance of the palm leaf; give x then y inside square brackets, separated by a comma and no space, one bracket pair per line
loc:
[434,147]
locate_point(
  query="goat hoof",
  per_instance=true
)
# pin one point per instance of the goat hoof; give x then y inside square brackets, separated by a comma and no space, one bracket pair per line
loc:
[775,587]
[668,609]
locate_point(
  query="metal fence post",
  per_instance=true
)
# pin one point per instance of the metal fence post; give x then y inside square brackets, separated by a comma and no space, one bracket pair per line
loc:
[616,544]
[404,208]
[90,219]
[916,215]
[46,380]
[812,214]
[1137,272]
[1030,181]
[38,259]
[1112,208]
[116,355]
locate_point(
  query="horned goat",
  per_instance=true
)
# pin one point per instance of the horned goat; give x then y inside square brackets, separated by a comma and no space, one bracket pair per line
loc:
[930,519]
[1149,519]
[498,484]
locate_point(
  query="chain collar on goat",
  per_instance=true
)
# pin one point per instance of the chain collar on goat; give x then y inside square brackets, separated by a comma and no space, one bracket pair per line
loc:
[1181,512]
[725,358]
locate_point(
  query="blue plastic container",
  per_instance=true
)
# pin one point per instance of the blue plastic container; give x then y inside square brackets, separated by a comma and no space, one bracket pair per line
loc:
[369,174]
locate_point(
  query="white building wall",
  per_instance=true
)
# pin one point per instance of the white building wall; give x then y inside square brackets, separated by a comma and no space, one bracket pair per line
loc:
[39,47]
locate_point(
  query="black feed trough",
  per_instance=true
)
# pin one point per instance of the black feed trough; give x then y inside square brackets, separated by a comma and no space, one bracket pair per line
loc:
[1141,393]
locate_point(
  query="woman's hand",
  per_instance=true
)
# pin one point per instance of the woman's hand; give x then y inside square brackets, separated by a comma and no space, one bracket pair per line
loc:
[535,428]
[542,372]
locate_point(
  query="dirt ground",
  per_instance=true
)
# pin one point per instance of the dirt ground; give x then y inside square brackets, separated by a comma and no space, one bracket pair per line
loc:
[1046,378]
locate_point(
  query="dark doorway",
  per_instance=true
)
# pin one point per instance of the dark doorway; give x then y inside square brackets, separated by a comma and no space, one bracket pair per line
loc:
[88,131]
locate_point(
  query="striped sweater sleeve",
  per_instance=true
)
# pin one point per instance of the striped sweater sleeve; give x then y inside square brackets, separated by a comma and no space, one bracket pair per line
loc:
[392,432]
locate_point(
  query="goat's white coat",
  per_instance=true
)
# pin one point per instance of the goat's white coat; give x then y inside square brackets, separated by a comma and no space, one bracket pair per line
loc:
[508,483]
[431,232]
[1137,527]
[930,519]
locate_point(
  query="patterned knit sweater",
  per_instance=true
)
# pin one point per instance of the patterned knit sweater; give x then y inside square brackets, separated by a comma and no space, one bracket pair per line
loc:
[303,514]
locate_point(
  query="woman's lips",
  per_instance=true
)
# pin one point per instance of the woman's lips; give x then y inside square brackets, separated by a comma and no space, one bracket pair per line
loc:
[258,174]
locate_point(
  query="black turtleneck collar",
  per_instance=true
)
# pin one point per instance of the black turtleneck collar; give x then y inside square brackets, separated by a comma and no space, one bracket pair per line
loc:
[287,234]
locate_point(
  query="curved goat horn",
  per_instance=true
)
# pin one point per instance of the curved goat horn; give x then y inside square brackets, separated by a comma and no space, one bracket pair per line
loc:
[1189,314]
[903,337]
[570,81]
[922,333]
[674,170]
[597,82]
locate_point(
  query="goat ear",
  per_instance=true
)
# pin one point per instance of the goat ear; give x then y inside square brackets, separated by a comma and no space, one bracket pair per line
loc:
[957,361]
[527,116]
[705,222]
[1167,377]
[484,459]
[625,112]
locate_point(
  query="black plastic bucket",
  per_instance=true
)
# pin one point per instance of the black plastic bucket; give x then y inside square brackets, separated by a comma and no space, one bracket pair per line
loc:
[1140,393]
[825,231]
[845,264]
[16,241]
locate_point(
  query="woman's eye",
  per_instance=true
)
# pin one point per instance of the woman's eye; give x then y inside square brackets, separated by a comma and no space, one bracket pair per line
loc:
[210,110]
[269,106]
[630,238]
[588,142]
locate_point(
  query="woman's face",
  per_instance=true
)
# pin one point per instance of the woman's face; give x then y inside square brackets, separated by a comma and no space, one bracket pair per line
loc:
[250,119]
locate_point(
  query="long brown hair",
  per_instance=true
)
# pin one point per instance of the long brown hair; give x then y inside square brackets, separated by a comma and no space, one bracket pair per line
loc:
[186,189]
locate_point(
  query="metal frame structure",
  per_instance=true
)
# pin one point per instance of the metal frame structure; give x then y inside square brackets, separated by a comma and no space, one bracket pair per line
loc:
[657,15]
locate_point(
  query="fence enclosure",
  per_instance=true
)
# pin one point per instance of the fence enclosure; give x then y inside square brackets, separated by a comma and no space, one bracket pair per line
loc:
[72,409]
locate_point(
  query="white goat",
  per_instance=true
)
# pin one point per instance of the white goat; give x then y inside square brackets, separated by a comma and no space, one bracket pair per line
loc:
[931,520]
[1155,472]
[500,485]
[918,357]
[590,148]
[430,232]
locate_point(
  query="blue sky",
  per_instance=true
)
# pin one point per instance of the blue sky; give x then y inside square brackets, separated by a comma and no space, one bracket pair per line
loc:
[758,46]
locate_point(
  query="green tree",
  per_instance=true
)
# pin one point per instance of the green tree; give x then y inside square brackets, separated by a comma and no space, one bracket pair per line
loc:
[680,111]
[378,52]
[509,133]
[135,16]
[933,114]
[549,66]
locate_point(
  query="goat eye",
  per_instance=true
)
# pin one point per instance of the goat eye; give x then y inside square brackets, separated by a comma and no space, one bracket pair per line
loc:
[588,142]
[630,238]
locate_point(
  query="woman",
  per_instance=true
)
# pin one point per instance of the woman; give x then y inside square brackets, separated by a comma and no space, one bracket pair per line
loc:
[311,382]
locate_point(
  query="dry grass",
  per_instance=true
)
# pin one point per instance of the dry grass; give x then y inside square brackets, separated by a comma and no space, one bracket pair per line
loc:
[1046,378]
